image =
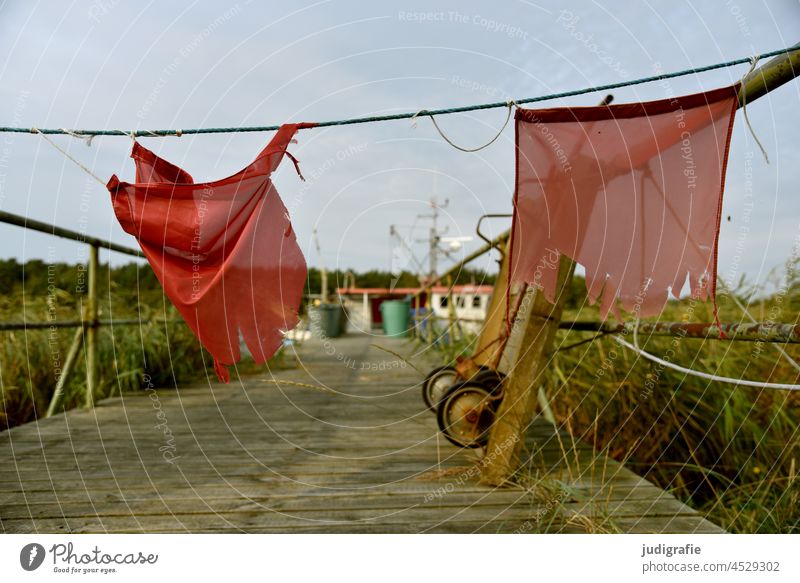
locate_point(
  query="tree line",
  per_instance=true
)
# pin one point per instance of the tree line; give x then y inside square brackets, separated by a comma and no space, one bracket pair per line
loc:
[38,278]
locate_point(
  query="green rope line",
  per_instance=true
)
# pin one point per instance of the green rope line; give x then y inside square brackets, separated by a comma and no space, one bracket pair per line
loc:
[408,115]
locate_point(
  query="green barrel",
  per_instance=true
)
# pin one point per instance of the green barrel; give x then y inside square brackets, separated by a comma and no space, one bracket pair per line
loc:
[395,317]
[329,320]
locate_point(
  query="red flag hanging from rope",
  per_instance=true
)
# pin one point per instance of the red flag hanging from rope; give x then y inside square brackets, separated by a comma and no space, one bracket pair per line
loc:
[224,251]
[632,192]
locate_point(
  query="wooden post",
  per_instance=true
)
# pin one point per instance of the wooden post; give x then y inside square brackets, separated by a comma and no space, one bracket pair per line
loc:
[519,390]
[91,328]
[420,319]
[431,317]
[488,347]
[366,313]
[451,311]
[72,355]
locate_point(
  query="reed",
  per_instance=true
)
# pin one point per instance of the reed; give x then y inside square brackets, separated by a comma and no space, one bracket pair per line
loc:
[161,350]
[731,452]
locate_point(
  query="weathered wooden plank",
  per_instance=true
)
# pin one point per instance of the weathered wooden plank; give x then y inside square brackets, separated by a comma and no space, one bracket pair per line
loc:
[243,512]
[256,459]
[280,491]
[317,449]
[395,481]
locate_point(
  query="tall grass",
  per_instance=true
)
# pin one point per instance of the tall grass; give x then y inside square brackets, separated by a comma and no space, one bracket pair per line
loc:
[161,347]
[729,451]
[159,351]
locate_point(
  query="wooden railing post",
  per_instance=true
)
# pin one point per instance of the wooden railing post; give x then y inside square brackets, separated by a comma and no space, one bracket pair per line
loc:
[91,328]
[431,317]
[488,347]
[516,410]
[451,312]
[72,355]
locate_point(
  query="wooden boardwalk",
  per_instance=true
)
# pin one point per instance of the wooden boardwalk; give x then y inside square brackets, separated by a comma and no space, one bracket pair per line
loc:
[261,457]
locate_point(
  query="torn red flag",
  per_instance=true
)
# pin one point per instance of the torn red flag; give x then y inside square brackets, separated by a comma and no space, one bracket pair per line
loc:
[632,192]
[224,251]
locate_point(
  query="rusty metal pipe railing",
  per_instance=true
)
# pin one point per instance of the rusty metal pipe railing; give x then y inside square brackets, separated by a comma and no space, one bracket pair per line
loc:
[778,333]
[88,326]
[48,229]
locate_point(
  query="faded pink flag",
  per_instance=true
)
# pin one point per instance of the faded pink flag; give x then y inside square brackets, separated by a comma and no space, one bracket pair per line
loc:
[632,192]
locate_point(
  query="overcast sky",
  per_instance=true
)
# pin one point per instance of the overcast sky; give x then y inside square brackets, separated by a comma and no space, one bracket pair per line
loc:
[123,65]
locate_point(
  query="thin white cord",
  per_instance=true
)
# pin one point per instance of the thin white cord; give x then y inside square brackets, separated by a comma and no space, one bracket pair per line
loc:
[753,61]
[746,312]
[63,151]
[704,375]
[511,104]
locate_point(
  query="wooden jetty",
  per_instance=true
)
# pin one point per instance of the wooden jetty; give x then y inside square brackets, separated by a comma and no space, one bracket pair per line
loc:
[261,456]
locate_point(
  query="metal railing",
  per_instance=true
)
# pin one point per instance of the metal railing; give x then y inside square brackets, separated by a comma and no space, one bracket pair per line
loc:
[89,324]
[779,333]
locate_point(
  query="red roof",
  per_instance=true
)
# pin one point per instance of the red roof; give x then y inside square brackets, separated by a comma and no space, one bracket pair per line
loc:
[465,289]
[404,291]
[398,291]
